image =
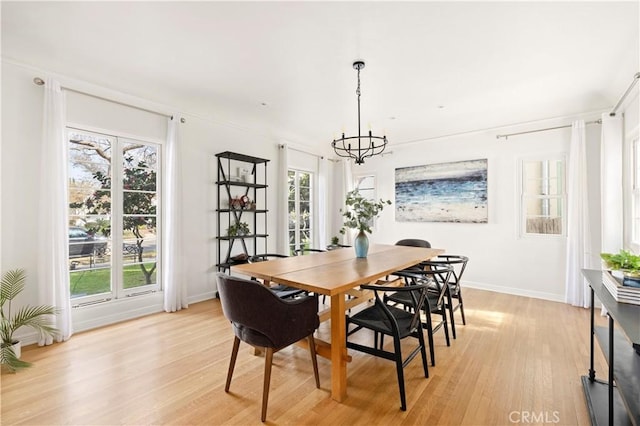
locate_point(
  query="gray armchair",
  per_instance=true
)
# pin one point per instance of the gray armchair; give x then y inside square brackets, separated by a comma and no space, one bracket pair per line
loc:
[262,319]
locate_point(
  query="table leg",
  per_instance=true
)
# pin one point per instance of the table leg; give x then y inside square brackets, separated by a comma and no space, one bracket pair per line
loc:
[338,349]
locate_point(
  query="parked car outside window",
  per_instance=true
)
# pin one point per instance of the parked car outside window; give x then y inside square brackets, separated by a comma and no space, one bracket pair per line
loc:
[81,243]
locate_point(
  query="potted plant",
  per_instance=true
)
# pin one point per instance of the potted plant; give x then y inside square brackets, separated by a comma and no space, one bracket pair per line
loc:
[626,262]
[27,316]
[238,229]
[359,214]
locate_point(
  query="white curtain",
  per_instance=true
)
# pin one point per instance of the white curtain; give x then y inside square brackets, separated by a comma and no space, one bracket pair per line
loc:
[53,251]
[282,226]
[611,172]
[323,211]
[175,286]
[578,232]
[347,185]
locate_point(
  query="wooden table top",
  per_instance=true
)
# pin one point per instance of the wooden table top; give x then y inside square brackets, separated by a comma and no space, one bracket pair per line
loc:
[337,271]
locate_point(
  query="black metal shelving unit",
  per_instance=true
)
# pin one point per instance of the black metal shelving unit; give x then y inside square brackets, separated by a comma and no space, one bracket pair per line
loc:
[615,401]
[229,186]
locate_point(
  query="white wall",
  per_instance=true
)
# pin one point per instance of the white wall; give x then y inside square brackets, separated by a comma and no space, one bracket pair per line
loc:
[200,140]
[500,259]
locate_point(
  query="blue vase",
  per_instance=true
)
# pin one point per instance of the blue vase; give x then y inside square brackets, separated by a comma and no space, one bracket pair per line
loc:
[361,244]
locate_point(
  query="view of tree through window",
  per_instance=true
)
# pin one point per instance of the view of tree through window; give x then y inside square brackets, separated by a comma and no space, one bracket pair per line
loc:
[113,216]
[300,217]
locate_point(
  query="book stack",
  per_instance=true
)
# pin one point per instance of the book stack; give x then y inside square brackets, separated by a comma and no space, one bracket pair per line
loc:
[620,293]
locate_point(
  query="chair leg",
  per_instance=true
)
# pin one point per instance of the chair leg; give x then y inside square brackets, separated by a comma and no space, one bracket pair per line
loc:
[430,336]
[453,322]
[268,360]
[314,359]
[400,371]
[464,322]
[423,352]
[232,362]
[446,326]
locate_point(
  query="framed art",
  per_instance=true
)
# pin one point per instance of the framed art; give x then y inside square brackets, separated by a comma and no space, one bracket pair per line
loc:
[443,192]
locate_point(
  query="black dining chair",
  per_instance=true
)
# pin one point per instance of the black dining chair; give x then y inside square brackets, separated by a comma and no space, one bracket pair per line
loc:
[281,290]
[435,279]
[454,300]
[385,319]
[262,319]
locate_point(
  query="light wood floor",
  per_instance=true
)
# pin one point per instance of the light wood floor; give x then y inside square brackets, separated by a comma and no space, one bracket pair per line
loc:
[515,356]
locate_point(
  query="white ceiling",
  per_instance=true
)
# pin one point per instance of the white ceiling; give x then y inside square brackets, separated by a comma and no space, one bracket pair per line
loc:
[432,68]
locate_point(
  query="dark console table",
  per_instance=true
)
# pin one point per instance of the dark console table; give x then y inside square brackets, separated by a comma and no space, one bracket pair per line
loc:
[616,401]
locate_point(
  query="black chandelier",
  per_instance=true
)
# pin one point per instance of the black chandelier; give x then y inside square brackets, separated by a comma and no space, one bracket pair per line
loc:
[368,145]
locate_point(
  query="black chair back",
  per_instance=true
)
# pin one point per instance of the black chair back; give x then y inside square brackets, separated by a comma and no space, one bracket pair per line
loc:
[414,242]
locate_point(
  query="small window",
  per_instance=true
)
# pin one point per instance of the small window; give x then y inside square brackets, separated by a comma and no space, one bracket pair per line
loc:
[635,201]
[366,186]
[543,196]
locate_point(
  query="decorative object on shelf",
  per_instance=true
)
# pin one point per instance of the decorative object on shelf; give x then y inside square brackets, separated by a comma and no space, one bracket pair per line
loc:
[245,202]
[367,145]
[28,316]
[621,293]
[238,229]
[626,262]
[235,203]
[359,214]
[243,173]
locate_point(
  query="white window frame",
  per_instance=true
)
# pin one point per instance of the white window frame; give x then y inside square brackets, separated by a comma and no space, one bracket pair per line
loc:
[118,292]
[523,196]
[633,192]
[312,208]
[357,181]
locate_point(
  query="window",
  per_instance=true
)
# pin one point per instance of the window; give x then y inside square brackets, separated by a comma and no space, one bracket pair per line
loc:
[300,208]
[366,186]
[113,216]
[543,196]
[635,203]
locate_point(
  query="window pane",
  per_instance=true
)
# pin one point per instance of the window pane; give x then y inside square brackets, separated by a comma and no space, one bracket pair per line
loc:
[88,282]
[139,275]
[543,195]
[91,207]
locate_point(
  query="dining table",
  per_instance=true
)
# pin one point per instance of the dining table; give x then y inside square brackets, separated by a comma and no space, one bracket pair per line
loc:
[336,274]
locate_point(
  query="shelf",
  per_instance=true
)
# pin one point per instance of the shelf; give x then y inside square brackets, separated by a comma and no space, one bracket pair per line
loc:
[253,220]
[239,237]
[241,184]
[626,369]
[625,363]
[597,394]
[241,157]
[242,210]
[625,314]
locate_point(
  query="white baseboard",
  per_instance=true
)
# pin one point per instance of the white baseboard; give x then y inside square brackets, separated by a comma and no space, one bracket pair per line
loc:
[515,291]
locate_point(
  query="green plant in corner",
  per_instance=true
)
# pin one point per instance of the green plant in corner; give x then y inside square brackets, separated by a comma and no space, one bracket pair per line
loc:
[27,316]
[361,211]
[335,240]
[238,229]
[624,261]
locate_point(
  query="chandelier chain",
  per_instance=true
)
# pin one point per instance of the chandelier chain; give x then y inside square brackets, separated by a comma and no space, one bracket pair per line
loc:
[368,145]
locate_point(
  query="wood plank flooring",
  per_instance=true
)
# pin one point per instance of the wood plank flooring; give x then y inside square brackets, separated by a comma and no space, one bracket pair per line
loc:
[517,360]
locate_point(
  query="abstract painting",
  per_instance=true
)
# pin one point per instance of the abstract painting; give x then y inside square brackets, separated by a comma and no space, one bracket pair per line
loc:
[444,192]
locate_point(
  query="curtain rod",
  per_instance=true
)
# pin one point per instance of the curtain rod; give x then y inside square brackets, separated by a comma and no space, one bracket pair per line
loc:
[625,94]
[293,148]
[40,82]
[544,130]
